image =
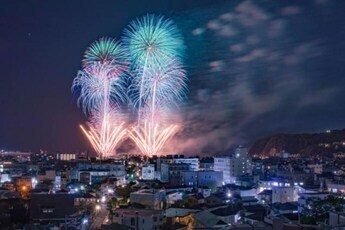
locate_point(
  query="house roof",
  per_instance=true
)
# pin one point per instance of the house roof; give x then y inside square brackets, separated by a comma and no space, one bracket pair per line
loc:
[227,211]
[173,212]
[266,192]
[206,218]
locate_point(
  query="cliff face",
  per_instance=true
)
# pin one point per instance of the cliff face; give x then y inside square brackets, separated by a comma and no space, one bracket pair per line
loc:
[305,144]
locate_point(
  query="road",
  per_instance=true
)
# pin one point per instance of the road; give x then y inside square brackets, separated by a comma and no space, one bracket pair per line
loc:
[98,219]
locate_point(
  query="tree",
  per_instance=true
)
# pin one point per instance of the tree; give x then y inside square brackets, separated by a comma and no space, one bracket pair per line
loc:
[123,192]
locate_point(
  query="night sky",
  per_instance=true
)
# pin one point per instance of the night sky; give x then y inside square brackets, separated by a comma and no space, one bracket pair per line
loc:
[255,68]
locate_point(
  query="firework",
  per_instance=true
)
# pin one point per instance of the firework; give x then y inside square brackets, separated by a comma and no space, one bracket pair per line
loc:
[151,40]
[163,88]
[155,48]
[105,139]
[98,85]
[102,89]
[105,51]
[151,54]
[151,137]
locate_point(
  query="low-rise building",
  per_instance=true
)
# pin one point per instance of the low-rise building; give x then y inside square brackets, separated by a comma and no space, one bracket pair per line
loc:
[193,162]
[334,187]
[66,156]
[97,173]
[265,197]
[138,219]
[315,168]
[207,178]
[172,172]
[284,194]
[305,198]
[148,172]
[150,198]
[49,207]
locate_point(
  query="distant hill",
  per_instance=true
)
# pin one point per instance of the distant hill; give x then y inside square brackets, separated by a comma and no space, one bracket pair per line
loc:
[305,144]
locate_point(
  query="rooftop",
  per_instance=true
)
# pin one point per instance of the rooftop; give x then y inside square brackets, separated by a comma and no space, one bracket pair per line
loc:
[227,211]
[139,212]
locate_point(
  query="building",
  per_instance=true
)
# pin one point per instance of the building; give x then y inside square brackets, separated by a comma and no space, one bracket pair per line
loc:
[206,163]
[173,197]
[193,162]
[172,172]
[148,172]
[334,187]
[336,220]
[315,168]
[233,166]
[305,198]
[66,156]
[47,207]
[47,175]
[84,199]
[283,194]
[295,177]
[97,173]
[150,198]
[270,184]
[265,197]
[209,178]
[138,219]
[220,218]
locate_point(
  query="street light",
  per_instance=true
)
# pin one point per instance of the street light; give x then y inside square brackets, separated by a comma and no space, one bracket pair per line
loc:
[98,207]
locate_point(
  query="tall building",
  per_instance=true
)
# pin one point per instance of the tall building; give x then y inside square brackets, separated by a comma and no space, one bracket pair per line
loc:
[233,166]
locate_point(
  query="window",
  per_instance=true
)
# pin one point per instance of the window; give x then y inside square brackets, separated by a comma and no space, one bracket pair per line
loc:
[155,219]
[47,210]
[132,221]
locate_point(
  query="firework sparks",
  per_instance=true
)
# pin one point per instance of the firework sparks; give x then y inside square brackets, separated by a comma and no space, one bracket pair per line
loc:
[105,139]
[163,87]
[159,83]
[101,87]
[154,48]
[151,138]
[106,51]
[151,42]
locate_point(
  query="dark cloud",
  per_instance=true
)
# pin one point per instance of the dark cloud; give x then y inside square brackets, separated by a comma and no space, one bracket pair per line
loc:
[258,68]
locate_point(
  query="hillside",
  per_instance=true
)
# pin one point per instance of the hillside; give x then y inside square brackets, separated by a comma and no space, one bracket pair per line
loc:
[305,144]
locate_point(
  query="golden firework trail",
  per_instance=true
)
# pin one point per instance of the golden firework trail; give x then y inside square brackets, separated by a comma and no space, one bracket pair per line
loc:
[105,139]
[151,137]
